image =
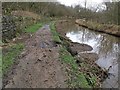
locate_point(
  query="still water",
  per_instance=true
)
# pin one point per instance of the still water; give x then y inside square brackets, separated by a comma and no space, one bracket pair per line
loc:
[106,46]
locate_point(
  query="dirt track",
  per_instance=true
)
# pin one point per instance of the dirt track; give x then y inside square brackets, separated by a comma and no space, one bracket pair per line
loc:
[39,65]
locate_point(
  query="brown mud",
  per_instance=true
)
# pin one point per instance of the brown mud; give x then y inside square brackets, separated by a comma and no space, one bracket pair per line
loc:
[38,65]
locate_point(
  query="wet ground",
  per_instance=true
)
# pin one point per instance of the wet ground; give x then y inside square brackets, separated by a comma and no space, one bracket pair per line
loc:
[39,65]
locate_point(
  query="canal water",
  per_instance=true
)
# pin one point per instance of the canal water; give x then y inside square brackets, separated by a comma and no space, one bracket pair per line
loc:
[106,46]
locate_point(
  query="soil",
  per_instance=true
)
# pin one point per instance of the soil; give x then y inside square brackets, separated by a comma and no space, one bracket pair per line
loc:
[90,57]
[39,65]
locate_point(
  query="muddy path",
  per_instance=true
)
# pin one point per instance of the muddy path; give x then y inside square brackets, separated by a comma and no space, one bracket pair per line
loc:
[39,65]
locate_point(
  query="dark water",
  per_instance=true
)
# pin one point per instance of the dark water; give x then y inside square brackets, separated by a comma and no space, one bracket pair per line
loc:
[106,46]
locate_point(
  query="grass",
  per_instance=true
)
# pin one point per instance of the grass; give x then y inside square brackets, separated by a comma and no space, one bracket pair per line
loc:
[55,34]
[9,58]
[68,58]
[77,78]
[33,28]
[91,71]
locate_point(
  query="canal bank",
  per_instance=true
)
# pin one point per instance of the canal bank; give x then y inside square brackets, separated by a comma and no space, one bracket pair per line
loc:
[105,28]
[104,46]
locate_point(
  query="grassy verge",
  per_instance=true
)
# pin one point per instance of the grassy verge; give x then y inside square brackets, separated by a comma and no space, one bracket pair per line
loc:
[55,34]
[76,78]
[33,28]
[9,58]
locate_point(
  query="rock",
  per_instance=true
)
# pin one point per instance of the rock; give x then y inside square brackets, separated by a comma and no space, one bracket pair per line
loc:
[72,51]
[77,47]
[73,47]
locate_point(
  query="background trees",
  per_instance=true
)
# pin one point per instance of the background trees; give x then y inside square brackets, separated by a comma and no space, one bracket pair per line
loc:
[110,15]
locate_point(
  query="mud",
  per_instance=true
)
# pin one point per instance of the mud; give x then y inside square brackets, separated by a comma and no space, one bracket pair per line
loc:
[39,65]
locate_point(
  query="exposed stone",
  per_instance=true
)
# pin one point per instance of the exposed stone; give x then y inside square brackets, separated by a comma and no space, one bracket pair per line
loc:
[77,47]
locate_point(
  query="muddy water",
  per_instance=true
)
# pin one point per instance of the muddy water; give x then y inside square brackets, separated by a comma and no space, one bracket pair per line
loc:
[106,46]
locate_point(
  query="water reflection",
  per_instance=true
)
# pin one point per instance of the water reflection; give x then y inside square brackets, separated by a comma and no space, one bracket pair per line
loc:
[106,46]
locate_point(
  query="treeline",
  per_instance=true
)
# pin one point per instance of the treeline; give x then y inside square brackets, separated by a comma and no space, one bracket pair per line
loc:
[112,12]
[54,9]
[110,15]
[50,9]
[18,15]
